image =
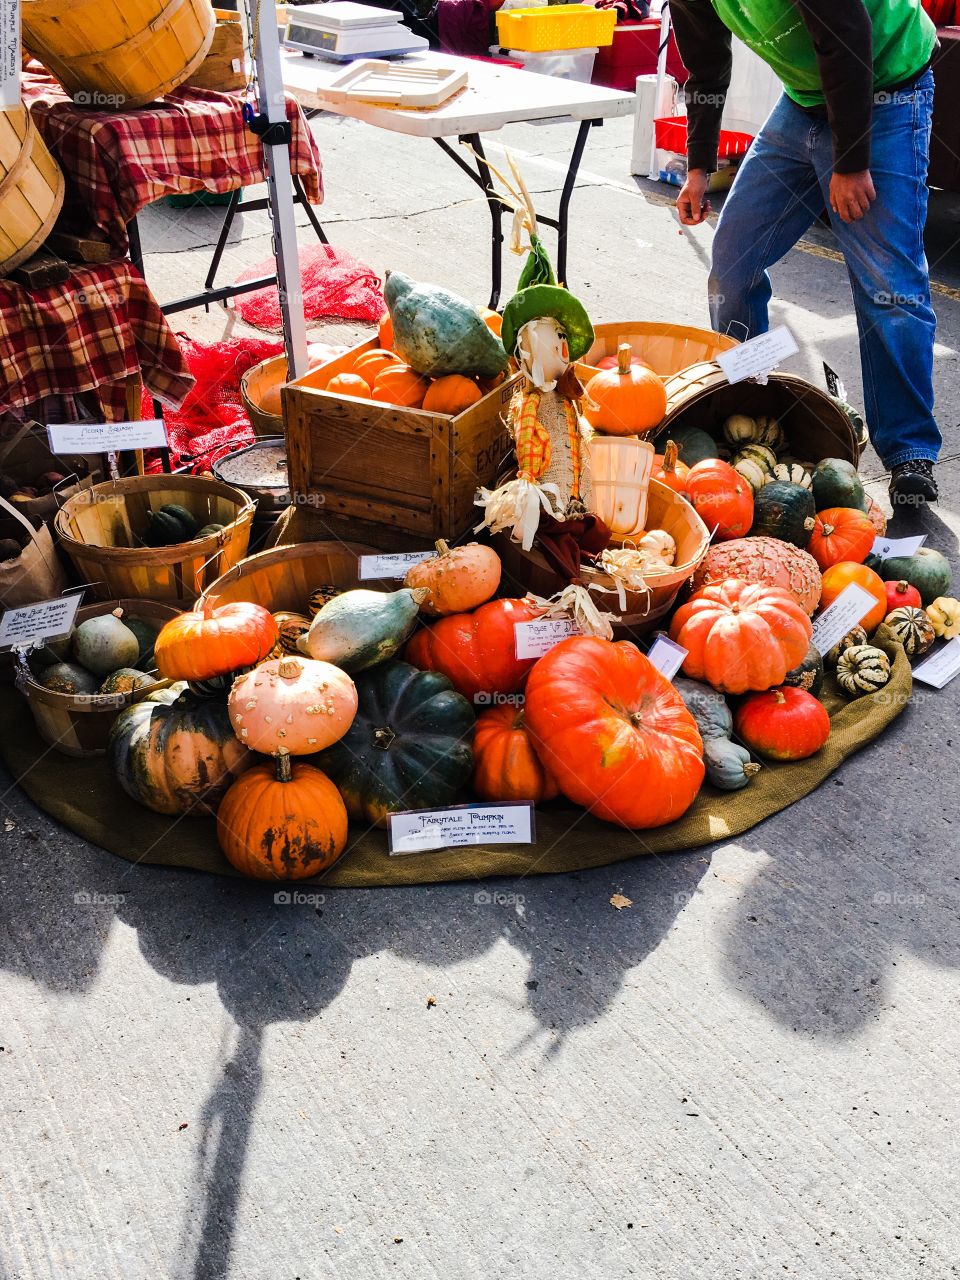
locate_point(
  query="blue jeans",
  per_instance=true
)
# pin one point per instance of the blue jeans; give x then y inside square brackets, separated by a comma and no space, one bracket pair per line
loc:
[782,186]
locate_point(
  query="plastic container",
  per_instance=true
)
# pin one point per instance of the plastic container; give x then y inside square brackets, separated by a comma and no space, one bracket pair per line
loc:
[558,26]
[671,134]
[563,64]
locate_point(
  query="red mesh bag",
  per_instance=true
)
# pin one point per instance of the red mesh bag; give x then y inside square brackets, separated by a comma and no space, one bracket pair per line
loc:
[334,284]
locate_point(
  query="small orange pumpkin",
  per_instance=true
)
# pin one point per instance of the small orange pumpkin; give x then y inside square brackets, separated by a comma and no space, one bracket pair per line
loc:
[282,822]
[208,641]
[398,384]
[349,384]
[626,400]
[505,764]
[841,533]
[371,363]
[492,319]
[457,580]
[669,470]
[839,576]
[451,394]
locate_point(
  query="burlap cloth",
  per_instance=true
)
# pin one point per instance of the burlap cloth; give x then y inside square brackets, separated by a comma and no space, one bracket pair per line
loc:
[82,794]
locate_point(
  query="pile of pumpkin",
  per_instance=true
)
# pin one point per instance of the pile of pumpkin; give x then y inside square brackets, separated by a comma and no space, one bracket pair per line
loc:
[436,352]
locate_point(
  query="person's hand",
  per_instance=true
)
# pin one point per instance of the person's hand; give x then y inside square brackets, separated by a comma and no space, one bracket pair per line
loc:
[852,194]
[692,202]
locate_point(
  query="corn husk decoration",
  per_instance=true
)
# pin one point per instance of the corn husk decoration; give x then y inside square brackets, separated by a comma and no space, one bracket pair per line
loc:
[575,602]
[632,565]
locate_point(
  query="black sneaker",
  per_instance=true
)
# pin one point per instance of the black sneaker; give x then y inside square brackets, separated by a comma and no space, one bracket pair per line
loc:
[912,483]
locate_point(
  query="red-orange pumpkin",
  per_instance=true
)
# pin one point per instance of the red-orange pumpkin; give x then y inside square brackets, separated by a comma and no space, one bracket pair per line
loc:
[451,394]
[626,400]
[505,764]
[669,470]
[614,732]
[398,384]
[839,576]
[741,636]
[722,499]
[841,533]
[209,641]
[476,651]
[782,724]
[282,822]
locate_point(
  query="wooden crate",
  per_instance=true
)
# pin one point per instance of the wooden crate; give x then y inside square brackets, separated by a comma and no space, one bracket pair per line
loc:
[223,68]
[402,470]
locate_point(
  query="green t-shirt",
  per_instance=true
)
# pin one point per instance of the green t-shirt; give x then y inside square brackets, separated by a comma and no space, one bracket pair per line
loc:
[903,40]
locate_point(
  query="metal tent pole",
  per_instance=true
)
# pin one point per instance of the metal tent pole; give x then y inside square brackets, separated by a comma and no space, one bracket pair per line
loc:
[271,124]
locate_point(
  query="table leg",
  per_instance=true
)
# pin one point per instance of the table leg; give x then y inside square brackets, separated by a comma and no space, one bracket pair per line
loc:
[223,237]
[495,205]
[135,250]
[569,183]
[300,197]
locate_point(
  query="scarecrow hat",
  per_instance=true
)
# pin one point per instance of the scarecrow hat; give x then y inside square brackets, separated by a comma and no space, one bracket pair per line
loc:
[538,295]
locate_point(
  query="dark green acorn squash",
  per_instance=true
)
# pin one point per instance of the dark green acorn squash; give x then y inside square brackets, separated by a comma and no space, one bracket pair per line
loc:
[785,511]
[693,445]
[808,674]
[408,747]
[926,569]
[169,525]
[837,483]
[146,633]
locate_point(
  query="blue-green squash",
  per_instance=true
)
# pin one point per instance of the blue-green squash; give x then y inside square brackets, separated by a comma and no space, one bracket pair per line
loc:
[785,511]
[360,628]
[438,333]
[837,483]
[728,765]
[926,569]
[409,746]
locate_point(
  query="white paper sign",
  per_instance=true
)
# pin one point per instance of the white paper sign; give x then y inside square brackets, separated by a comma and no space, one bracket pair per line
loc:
[393,565]
[46,620]
[667,656]
[106,437]
[534,639]
[758,355]
[850,607]
[940,668]
[466,824]
[9,54]
[886,548]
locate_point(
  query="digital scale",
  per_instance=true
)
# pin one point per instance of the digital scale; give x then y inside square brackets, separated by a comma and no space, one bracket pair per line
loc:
[342,30]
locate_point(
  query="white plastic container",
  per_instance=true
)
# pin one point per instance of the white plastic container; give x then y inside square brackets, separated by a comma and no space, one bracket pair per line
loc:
[565,64]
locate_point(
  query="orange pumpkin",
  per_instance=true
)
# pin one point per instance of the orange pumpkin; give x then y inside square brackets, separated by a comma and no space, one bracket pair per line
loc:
[370,363]
[625,401]
[839,576]
[282,821]
[841,533]
[457,580]
[385,332]
[208,642]
[398,384]
[349,384]
[505,764]
[741,636]
[492,319]
[451,394]
[296,705]
[669,470]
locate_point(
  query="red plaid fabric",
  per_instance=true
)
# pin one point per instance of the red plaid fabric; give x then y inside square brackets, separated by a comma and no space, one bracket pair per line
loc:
[88,335]
[193,140]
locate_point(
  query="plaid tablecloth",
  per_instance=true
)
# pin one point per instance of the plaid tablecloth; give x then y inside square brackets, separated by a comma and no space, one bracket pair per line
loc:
[88,335]
[116,162]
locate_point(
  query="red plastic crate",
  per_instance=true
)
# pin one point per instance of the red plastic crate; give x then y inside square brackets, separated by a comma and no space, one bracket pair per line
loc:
[671,134]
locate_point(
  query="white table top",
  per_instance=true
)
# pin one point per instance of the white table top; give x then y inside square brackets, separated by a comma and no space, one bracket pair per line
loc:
[495,96]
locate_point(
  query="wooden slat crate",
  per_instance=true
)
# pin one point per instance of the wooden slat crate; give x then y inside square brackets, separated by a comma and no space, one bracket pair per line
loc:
[402,470]
[223,67]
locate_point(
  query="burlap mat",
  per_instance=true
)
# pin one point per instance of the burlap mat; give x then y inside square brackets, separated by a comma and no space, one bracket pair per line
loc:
[82,794]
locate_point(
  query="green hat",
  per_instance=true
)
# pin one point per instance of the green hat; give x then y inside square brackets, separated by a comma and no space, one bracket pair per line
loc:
[538,294]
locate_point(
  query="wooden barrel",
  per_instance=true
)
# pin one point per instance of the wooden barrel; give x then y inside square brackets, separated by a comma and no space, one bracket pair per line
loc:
[118,54]
[666,348]
[284,578]
[815,425]
[31,189]
[79,724]
[101,531]
[525,571]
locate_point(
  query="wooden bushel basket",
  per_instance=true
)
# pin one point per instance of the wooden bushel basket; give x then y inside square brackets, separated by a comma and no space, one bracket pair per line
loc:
[258,382]
[31,189]
[666,348]
[101,531]
[284,577]
[525,571]
[79,724]
[118,54]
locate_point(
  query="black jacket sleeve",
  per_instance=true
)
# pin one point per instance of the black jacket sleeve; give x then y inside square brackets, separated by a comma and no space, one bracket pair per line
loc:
[842,36]
[704,45]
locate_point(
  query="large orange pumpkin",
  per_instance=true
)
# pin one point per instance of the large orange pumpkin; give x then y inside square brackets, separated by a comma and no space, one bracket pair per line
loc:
[625,401]
[740,636]
[282,821]
[614,732]
[295,705]
[451,394]
[505,764]
[839,576]
[457,579]
[723,500]
[210,641]
[841,533]
[398,384]
[476,651]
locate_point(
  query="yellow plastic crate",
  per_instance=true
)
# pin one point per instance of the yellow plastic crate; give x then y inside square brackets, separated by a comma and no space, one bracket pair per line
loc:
[558,26]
